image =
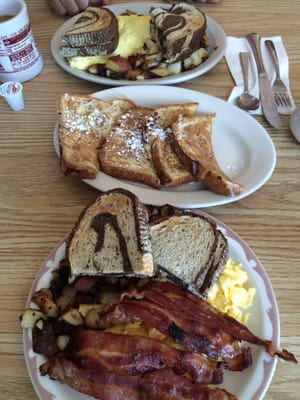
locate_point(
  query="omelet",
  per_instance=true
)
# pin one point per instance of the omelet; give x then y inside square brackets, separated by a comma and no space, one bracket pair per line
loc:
[231,293]
[134,31]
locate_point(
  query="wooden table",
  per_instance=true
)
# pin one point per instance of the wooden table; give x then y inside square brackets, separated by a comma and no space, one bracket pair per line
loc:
[39,205]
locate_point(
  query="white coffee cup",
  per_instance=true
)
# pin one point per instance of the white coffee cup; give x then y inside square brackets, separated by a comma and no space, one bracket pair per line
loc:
[20,58]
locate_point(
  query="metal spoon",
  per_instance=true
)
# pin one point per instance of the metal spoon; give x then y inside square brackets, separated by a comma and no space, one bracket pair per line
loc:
[246,101]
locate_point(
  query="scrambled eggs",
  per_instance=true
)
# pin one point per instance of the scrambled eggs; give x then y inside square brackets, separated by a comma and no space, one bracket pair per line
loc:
[134,31]
[230,293]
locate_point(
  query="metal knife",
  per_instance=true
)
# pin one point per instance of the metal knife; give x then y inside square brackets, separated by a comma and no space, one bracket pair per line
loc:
[265,90]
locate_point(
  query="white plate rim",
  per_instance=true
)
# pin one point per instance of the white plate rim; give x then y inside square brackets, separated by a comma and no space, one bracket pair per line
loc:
[249,134]
[265,322]
[216,48]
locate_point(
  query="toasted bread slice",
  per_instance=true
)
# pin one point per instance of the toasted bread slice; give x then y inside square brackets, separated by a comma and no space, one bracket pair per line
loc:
[96,26]
[192,138]
[168,167]
[168,114]
[158,139]
[123,154]
[84,123]
[183,247]
[178,31]
[161,119]
[219,260]
[111,236]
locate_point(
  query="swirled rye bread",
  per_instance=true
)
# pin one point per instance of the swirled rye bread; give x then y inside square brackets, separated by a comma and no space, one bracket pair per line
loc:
[178,31]
[112,236]
[94,33]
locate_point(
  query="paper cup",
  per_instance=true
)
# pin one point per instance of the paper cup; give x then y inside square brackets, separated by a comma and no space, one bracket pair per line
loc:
[20,58]
[13,94]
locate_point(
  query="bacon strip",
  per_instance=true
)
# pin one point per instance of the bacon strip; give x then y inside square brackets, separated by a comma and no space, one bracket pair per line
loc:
[105,386]
[205,313]
[193,336]
[166,386]
[109,352]
[158,385]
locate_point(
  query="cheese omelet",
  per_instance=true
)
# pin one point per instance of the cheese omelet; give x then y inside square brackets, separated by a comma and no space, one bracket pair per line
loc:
[134,31]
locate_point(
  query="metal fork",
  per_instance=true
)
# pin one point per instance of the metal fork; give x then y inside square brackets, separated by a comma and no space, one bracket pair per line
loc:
[284,101]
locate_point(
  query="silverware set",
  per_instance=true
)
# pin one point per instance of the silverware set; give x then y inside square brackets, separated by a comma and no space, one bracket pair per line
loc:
[275,98]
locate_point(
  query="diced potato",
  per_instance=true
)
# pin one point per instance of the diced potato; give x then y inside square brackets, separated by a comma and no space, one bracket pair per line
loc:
[175,68]
[72,317]
[92,319]
[62,341]
[195,59]
[84,309]
[44,299]
[30,317]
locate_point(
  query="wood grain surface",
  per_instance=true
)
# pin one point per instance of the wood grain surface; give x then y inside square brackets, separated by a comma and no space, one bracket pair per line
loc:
[38,205]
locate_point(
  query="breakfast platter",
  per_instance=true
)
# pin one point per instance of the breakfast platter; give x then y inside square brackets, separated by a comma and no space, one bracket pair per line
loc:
[216,49]
[242,147]
[264,321]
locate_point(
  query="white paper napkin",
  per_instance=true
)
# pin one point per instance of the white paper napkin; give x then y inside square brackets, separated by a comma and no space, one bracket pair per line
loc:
[237,45]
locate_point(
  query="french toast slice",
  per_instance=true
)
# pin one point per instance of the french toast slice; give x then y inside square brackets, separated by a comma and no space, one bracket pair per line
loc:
[94,33]
[168,167]
[183,249]
[111,236]
[158,139]
[192,138]
[84,123]
[123,155]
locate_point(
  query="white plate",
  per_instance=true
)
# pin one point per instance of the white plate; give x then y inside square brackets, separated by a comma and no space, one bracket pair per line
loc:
[242,147]
[216,49]
[264,322]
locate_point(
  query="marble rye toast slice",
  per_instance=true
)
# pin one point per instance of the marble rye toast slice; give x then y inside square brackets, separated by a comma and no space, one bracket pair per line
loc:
[178,31]
[188,250]
[96,32]
[111,236]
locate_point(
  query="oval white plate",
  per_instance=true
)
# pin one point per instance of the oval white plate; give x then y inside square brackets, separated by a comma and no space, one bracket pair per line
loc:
[216,49]
[242,147]
[264,322]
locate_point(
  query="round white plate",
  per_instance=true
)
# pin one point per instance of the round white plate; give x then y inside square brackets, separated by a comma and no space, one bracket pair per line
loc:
[241,145]
[216,49]
[264,322]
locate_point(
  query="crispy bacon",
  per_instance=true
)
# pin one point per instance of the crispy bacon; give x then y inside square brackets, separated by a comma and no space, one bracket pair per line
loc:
[105,386]
[205,313]
[108,352]
[193,336]
[157,385]
[167,386]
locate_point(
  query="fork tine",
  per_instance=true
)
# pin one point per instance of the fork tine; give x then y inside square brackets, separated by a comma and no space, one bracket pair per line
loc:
[281,99]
